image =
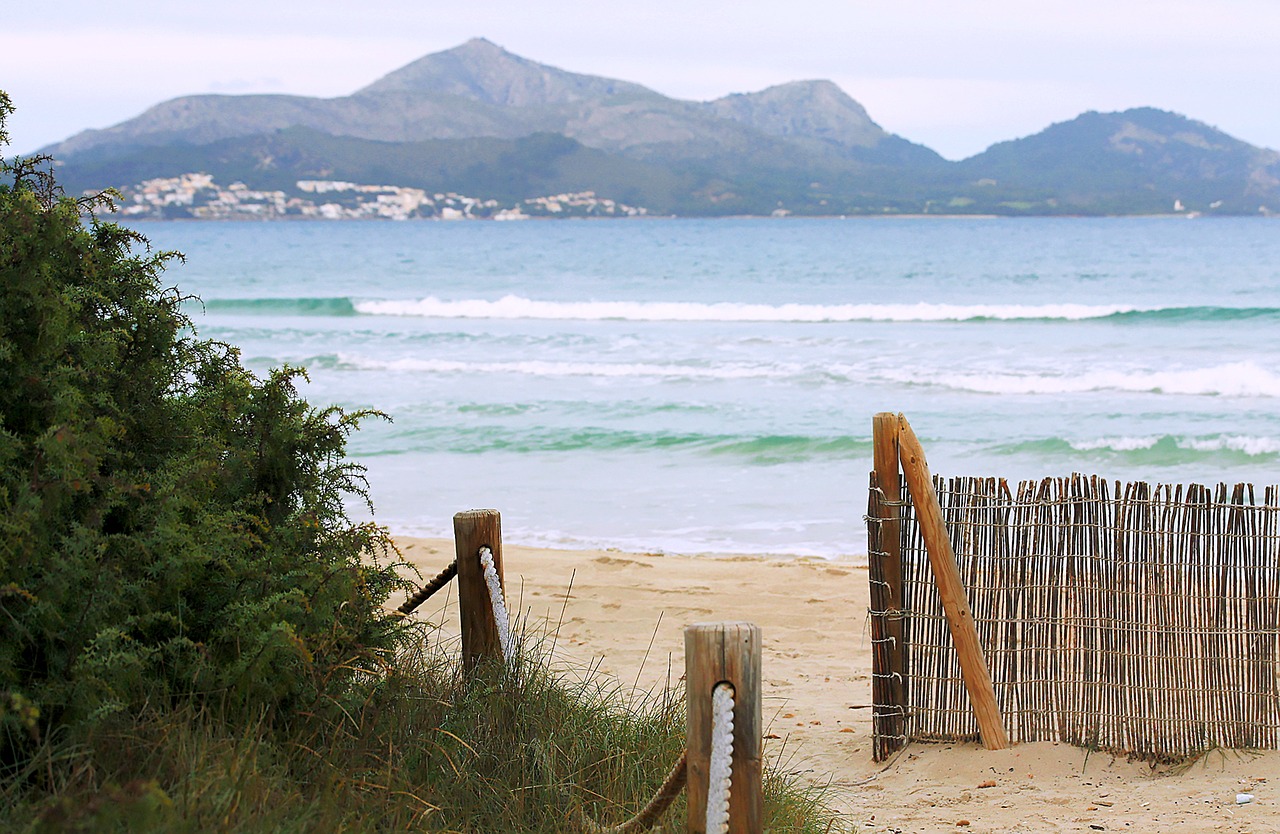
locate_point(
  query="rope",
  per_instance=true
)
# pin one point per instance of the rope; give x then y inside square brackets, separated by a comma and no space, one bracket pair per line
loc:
[720,773]
[648,816]
[441,579]
[500,617]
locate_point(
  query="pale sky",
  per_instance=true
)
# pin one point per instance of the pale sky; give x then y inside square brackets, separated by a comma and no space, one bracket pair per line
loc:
[954,75]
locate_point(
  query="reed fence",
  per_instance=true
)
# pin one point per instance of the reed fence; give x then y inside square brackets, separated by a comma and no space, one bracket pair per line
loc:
[1137,619]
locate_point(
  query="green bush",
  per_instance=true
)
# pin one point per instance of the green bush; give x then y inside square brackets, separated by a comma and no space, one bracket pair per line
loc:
[192,632]
[170,525]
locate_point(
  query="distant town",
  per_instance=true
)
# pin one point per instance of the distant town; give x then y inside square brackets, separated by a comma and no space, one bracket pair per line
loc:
[197,196]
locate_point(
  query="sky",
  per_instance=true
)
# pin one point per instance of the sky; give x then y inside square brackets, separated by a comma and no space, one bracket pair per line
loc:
[954,75]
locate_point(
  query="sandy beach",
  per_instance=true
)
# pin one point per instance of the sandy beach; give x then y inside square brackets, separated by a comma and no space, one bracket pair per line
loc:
[624,613]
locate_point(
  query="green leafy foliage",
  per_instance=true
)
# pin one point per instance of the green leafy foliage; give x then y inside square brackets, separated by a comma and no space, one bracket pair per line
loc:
[192,631]
[170,525]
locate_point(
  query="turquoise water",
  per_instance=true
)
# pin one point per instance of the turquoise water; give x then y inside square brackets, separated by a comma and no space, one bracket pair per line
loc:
[708,385]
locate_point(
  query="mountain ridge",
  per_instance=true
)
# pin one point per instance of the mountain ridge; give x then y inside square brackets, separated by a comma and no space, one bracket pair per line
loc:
[482,70]
[803,147]
[486,91]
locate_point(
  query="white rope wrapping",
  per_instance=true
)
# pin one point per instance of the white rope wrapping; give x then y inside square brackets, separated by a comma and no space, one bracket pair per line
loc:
[499,605]
[720,773]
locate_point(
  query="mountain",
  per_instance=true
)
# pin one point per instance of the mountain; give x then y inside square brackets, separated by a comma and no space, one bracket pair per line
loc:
[484,72]
[390,110]
[820,112]
[476,89]
[477,119]
[1143,160]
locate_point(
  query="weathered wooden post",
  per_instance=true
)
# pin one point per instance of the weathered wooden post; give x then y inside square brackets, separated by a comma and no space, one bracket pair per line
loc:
[728,653]
[955,602]
[887,627]
[473,530]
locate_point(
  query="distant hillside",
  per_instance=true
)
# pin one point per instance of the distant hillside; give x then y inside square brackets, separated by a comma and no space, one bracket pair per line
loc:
[1141,160]
[503,169]
[474,90]
[820,112]
[479,120]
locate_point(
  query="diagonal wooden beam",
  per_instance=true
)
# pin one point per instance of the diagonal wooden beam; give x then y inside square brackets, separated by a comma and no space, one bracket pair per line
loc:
[955,602]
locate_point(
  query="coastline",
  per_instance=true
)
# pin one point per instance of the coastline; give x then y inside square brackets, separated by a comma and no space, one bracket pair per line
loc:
[621,615]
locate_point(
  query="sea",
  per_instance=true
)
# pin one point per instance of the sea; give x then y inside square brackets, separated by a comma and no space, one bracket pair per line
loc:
[707,386]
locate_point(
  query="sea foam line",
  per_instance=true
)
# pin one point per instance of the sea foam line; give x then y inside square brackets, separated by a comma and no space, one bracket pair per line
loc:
[517,307]
[1248,445]
[536,367]
[1236,379]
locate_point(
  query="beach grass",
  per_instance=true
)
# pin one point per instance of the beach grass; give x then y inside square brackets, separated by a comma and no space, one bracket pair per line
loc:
[532,747]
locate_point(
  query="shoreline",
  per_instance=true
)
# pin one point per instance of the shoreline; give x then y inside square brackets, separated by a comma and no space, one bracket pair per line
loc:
[621,615]
[851,558]
[697,217]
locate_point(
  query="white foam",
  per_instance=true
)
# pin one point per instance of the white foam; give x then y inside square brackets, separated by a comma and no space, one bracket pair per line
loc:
[517,307]
[1251,446]
[562,369]
[646,543]
[1115,444]
[1237,379]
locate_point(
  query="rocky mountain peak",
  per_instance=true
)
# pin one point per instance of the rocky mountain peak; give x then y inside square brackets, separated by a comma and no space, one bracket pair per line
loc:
[816,109]
[482,71]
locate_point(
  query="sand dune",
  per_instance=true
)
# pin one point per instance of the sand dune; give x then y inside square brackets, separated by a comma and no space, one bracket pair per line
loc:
[624,614]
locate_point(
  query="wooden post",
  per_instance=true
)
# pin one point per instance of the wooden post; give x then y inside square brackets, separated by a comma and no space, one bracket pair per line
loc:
[473,530]
[955,602]
[892,625]
[717,652]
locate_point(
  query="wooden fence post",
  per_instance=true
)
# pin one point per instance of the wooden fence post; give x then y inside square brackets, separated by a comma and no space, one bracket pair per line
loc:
[473,530]
[955,602]
[715,653]
[888,629]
